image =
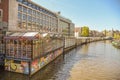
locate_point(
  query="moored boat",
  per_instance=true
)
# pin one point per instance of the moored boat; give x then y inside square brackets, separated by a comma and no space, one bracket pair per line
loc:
[116,44]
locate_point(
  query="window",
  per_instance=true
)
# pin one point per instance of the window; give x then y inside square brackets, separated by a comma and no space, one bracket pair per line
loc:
[37,14]
[29,11]
[19,8]
[40,15]
[33,6]
[19,16]
[19,24]
[25,2]
[38,20]
[29,4]
[43,17]
[34,13]
[19,0]
[37,8]
[24,25]
[29,26]
[24,17]
[34,19]
[1,12]
[40,9]
[24,9]
[29,18]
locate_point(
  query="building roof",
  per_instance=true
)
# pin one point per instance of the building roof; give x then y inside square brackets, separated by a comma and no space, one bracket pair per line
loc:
[41,6]
[21,35]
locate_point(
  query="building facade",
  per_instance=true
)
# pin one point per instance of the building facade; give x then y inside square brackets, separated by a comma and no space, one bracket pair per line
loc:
[25,15]
[78,31]
[32,35]
[65,26]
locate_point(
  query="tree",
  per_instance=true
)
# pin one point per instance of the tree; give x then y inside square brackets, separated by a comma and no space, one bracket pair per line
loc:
[85,31]
[116,36]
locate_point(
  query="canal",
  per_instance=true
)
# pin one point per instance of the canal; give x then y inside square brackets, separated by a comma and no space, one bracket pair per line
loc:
[94,61]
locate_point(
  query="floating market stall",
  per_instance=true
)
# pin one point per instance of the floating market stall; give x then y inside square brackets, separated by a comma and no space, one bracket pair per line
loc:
[28,52]
[70,42]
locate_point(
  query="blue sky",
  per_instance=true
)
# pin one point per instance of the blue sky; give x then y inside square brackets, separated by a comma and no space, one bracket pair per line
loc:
[97,14]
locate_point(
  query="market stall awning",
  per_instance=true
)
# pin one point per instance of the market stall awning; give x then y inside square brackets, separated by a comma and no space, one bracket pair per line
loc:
[30,34]
[23,35]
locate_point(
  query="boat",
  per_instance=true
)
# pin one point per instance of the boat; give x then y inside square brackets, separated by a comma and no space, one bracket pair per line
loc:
[116,44]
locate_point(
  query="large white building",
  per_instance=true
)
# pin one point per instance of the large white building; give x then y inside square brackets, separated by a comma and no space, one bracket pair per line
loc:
[25,15]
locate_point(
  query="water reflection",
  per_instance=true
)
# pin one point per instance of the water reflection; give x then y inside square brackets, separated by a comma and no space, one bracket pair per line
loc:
[46,73]
[104,65]
[54,71]
[94,61]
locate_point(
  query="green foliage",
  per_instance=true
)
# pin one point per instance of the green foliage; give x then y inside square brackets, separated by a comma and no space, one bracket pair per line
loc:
[116,36]
[85,31]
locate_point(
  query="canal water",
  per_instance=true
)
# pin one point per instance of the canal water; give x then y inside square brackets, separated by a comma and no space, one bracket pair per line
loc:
[94,61]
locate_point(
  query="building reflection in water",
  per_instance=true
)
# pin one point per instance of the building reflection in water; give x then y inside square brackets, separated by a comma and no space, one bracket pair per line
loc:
[44,74]
[94,61]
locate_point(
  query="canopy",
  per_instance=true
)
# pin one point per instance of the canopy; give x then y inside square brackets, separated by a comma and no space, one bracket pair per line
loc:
[23,35]
[30,35]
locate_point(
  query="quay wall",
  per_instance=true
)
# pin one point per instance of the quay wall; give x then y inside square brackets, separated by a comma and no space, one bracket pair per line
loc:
[71,43]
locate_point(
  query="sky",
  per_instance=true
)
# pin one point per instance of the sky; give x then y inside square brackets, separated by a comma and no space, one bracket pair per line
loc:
[96,14]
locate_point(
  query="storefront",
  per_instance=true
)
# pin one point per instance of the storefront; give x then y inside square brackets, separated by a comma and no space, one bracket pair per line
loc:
[28,52]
